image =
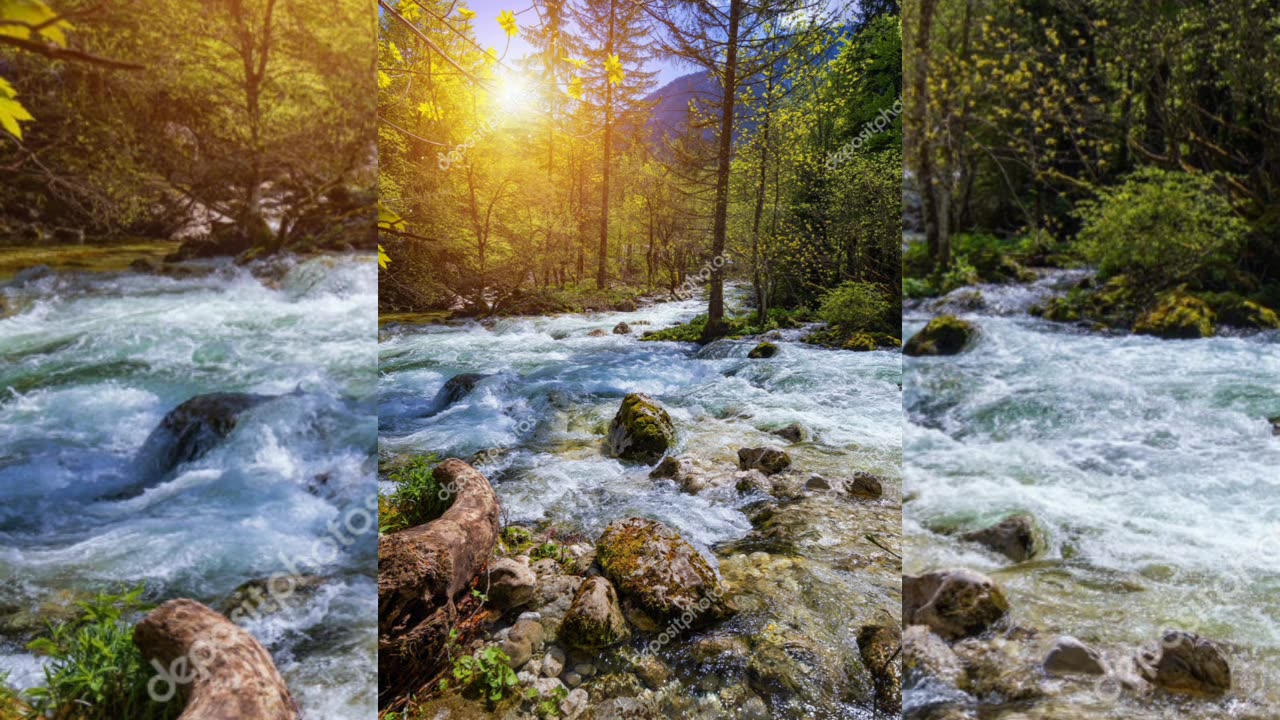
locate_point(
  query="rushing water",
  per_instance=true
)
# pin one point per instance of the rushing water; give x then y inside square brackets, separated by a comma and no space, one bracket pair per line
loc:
[1153,467]
[553,388]
[89,364]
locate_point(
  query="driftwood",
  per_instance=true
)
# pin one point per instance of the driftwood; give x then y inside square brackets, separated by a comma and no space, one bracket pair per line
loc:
[423,570]
[223,673]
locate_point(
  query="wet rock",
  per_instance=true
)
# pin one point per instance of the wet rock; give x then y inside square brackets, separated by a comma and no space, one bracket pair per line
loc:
[267,596]
[863,485]
[456,388]
[793,433]
[598,332]
[194,428]
[615,685]
[553,663]
[944,335]
[665,576]
[622,329]
[751,482]
[879,646]
[768,460]
[996,671]
[1183,662]
[925,657]
[652,671]
[572,679]
[586,670]
[641,431]
[594,620]
[1275,425]
[23,621]
[573,706]
[1069,656]
[518,652]
[1017,537]
[511,583]
[763,351]
[817,482]
[794,672]
[954,604]
[1177,316]
[679,470]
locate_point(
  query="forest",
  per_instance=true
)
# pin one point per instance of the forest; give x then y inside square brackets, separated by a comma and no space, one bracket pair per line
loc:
[567,179]
[234,125]
[1135,139]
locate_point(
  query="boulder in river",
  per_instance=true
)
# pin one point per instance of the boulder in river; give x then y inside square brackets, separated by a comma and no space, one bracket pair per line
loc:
[598,332]
[194,428]
[944,335]
[863,485]
[763,351]
[622,329]
[769,459]
[660,572]
[879,646]
[594,620]
[641,431]
[1177,316]
[1275,425]
[456,388]
[1069,656]
[955,603]
[1017,537]
[793,433]
[1183,662]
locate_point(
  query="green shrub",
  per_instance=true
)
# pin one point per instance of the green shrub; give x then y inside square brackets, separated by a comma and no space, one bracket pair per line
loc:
[961,274]
[915,288]
[94,671]
[1161,228]
[418,498]
[488,672]
[855,306]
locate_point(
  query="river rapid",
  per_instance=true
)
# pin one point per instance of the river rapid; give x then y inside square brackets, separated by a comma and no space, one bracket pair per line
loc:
[1150,463]
[91,363]
[552,389]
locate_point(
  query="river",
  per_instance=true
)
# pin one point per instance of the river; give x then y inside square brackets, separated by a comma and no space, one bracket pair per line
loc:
[1150,463]
[551,392]
[91,362]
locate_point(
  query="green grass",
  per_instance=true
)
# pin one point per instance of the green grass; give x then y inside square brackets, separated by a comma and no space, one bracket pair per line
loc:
[418,498]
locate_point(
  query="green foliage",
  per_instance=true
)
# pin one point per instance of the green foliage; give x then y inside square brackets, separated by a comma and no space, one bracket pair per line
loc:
[94,670]
[488,672]
[418,497]
[549,706]
[856,306]
[1160,227]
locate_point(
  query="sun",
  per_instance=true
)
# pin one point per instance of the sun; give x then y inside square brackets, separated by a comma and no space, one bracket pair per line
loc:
[514,92]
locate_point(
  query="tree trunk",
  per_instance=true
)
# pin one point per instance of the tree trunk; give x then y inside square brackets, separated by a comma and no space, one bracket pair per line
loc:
[231,675]
[715,326]
[602,271]
[422,570]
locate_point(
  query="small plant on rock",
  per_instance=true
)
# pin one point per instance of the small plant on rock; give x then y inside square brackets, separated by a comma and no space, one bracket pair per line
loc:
[488,672]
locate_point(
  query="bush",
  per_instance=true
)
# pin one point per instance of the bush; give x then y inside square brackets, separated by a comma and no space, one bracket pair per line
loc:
[94,671]
[855,306]
[488,672]
[418,498]
[1162,228]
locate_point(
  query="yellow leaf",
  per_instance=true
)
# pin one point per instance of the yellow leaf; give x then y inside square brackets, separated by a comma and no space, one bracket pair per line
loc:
[18,17]
[383,258]
[580,64]
[11,111]
[430,110]
[613,70]
[507,20]
[384,80]
[575,88]
[466,13]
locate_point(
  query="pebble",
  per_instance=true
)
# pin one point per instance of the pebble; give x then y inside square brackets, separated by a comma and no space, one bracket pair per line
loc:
[586,670]
[572,679]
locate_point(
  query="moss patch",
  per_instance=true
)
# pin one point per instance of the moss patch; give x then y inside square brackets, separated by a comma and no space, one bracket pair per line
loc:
[944,335]
[641,431]
[1177,316]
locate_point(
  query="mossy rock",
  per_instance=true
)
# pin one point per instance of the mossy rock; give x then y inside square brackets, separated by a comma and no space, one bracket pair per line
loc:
[1236,311]
[641,431]
[944,335]
[1177,316]
[652,566]
[763,351]
[594,620]
[861,342]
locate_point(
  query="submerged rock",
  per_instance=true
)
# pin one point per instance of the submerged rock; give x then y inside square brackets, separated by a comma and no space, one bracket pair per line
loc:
[1017,537]
[662,574]
[266,596]
[863,485]
[598,332]
[879,646]
[641,431]
[457,387]
[1275,425]
[1183,662]
[944,335]
[793,433]
[1069,656]
[194,428]
[594,620]
[763,351]
[769,460]
[622,329]
[1177,316]
[954,603]
[794,673]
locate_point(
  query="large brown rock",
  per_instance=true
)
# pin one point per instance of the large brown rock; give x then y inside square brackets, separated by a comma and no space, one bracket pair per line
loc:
[232,675]
[954,604]
[768,459]
[192,429]
[1186,663]
[1017,537]
[594,620]
[423,570]
[655,568]
[641,431]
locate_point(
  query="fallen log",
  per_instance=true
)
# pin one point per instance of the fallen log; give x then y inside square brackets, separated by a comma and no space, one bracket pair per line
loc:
[221,671]
[423,570]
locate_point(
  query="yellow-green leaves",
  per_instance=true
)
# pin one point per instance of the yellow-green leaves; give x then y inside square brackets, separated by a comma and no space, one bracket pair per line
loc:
[578,63]
[575,88]
[384,80]
[430,110]
[613,70]
[32,20]
[507,20]
[11,111]
[383,258]
[466,13]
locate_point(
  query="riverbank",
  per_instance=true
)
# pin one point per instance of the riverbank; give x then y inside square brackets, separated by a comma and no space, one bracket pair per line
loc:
[808,567]
[1147,468]
[93,498]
